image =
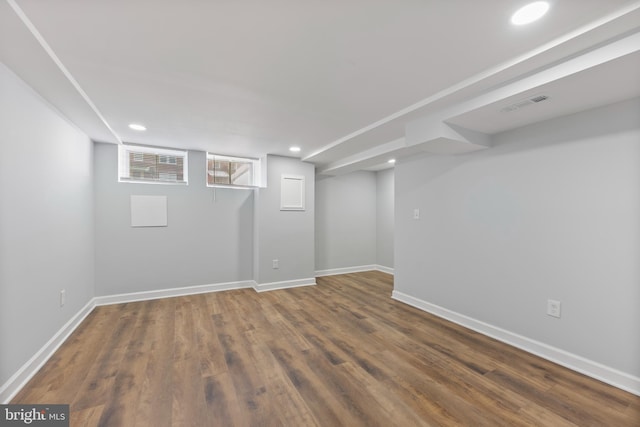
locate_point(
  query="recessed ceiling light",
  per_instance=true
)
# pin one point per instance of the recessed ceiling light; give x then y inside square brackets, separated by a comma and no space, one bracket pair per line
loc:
[529,13]
[138,127]
[391,161]
[294,149]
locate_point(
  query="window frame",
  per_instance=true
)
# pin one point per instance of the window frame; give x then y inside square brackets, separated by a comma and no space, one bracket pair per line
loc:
[163,159]
[256,165]
[124,165]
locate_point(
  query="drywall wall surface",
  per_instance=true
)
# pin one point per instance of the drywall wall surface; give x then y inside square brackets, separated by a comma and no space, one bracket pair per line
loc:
[550,212]
[345,220]
[46,222]
[286,236]
[208,238]
[384,217]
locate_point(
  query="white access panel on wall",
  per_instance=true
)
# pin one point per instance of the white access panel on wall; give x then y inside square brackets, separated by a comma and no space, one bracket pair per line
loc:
[292,193]
[148,211]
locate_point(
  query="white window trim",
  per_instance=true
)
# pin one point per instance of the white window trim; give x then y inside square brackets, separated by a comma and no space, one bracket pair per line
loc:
[123,167]
[257,165]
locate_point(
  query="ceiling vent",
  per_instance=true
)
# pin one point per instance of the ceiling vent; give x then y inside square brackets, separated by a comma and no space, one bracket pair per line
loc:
[525,103]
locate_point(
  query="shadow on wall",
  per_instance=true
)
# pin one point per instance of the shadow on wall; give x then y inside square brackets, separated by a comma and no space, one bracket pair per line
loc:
[576,128]
[591,124]
[245,235]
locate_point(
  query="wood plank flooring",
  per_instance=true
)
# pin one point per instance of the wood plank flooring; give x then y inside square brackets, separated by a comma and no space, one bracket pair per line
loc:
[341,353]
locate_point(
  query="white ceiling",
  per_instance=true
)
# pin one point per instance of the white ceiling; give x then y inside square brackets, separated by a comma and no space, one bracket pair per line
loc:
[351,82]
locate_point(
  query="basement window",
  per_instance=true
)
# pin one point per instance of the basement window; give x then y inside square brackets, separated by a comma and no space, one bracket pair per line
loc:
[238,172]
[152,165]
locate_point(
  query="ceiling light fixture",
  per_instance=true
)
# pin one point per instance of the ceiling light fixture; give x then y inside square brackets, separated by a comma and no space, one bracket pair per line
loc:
[294,149]
[138,127]
[392,161]
[529,13]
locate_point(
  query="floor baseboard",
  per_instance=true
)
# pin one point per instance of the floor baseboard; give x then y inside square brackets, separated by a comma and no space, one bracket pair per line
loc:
[273,286]
[172,292]
[572,361]
[14,384]
[355,269]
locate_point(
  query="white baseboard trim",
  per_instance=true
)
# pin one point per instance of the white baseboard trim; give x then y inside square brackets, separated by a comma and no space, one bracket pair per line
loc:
[14,384]
[345,270]
[388,270]
[572,361]
[262,287]
[356,269]
[172,292]
[200,289]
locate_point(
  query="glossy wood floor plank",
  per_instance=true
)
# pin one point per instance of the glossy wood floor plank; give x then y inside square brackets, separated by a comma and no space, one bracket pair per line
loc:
[341,353]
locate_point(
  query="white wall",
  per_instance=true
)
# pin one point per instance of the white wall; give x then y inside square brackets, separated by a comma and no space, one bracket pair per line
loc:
[385,217]
[208,240]
[354,221]
[284,235]
[345,221]
[553,211]
[46,222]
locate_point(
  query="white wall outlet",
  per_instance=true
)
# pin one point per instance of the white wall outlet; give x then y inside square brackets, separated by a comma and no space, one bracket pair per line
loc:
[275,264]
[63,297]
[416,213]
[553,308]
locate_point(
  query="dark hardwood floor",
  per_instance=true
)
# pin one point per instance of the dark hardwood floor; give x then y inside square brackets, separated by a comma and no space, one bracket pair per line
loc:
[341,353]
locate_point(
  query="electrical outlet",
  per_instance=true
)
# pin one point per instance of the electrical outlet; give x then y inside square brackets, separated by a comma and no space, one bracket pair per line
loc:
[275,264]
[63,297]
[553,308]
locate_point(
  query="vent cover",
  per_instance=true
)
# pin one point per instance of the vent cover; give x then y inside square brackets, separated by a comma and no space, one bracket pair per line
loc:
[539,98]
[525,103]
